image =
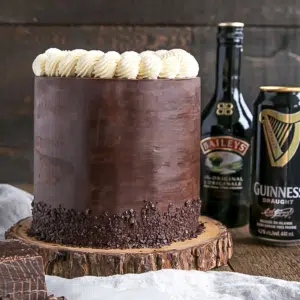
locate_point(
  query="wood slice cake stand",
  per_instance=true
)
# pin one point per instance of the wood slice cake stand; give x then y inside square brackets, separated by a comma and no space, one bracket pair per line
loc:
[212,248]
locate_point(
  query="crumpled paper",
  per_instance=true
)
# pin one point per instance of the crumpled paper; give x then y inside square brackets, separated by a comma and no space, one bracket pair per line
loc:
[15,204]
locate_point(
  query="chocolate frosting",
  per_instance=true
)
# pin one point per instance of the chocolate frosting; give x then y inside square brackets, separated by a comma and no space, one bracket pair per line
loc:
[109,145]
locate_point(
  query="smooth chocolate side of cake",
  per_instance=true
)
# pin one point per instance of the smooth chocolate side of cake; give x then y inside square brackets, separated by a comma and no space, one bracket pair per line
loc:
[116,162]
[21,272]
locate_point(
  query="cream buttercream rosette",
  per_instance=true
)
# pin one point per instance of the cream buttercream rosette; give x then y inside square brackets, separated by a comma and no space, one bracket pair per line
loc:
[149,64]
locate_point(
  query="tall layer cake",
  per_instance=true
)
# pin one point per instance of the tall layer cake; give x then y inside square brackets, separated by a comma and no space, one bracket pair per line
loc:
[116,148]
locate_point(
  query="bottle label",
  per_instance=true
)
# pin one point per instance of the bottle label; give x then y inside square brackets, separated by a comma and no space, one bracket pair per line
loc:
[275,212]
[223,162]
[275,216]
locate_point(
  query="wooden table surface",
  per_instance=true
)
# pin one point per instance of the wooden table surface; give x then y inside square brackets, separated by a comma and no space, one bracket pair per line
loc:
[253,258]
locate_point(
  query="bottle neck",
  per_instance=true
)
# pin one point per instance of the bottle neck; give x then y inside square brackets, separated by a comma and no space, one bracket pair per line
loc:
[228,69]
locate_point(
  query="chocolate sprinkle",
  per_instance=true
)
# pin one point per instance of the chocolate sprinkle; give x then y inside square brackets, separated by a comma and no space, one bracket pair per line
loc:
[151,228]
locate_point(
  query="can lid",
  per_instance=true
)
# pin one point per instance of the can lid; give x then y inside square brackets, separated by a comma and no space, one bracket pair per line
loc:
[280,88]
[231,24]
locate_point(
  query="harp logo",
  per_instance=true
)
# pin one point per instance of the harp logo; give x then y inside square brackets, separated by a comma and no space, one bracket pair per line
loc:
[282,135]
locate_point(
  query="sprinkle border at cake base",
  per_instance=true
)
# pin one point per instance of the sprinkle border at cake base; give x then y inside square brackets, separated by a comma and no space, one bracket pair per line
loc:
[150,228]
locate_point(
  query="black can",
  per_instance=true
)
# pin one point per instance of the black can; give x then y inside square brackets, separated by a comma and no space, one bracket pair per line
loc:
[275,187]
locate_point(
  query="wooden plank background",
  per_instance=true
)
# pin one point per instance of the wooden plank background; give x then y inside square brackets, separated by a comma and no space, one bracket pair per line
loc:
[145,12]
[271,51]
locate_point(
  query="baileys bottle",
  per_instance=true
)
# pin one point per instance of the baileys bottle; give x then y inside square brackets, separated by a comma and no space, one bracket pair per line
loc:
[225,136]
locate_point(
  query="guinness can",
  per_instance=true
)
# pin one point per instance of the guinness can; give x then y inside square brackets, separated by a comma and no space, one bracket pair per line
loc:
[275,190]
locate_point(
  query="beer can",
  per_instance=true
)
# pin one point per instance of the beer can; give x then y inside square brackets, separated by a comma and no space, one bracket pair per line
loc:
[275,186]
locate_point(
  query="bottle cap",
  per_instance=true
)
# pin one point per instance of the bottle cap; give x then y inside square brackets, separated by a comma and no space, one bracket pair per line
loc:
[231,33]
[231,24]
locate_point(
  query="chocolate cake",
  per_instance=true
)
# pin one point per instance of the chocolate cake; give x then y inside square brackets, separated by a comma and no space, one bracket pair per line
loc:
[117,156]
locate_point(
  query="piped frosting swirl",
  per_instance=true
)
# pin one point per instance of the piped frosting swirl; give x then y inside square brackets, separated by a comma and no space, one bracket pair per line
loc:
[165,64]
[129,65]
[150,66]
[86,63]
[107,64]
[67,65]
